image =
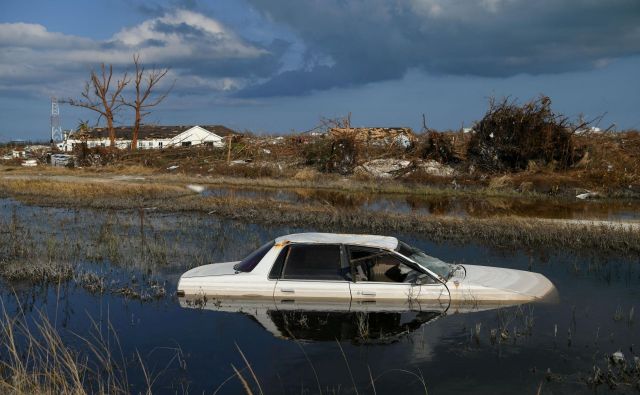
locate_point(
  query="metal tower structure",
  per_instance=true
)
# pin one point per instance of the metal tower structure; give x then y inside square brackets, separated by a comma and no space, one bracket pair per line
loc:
[56,129]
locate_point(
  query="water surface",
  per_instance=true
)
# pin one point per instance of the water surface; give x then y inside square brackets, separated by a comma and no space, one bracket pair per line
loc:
[460,206]
[291,351]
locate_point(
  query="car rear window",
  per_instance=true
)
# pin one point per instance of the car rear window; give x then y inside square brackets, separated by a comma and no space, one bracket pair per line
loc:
[250,262]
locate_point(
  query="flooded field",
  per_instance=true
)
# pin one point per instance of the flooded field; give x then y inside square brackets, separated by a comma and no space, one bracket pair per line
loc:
[459,206]
[112,275]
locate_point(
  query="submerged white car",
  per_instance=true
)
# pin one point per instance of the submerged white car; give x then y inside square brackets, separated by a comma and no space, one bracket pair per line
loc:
[327,268]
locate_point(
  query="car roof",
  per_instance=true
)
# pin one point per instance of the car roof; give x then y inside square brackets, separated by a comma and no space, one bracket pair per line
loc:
[386,242]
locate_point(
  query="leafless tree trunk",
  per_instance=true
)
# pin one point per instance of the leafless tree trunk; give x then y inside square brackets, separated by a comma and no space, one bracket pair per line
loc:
[145,83]
[98,98]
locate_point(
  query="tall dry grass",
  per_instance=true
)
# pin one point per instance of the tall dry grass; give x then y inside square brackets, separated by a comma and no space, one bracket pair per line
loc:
[80,189]
[36,360]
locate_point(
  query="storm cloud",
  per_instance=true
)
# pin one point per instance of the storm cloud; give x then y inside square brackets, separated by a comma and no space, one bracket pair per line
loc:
[378,40]
[278,64]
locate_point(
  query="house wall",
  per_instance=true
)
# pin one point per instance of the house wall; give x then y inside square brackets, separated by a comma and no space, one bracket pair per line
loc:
[194,136]
[154,143]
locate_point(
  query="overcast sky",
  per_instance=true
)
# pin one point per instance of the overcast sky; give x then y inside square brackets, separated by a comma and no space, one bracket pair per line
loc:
[272,66]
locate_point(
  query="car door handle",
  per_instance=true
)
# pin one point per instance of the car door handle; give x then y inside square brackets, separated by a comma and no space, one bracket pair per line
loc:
[368,293]
[287,290]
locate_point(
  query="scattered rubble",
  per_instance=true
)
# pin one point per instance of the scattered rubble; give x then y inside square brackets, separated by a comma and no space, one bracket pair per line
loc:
[384,168]
[196,188]
[588,195]
[435,168]
[30,163]
[393,168]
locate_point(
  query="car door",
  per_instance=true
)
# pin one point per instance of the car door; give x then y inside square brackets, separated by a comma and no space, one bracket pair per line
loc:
[312,274]
[380,279]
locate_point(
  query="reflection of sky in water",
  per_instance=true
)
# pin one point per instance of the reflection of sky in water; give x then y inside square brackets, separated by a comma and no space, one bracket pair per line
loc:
[450,206]
[591,290]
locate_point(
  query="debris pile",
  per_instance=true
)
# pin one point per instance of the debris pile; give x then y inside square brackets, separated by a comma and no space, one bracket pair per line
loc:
[509,137]
[398,136]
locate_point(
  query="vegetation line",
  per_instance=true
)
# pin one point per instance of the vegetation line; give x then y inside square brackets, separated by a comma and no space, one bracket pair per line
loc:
[507,232]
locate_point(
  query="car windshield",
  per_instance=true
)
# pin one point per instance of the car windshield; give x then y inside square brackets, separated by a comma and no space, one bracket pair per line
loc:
[248,263]
[437,266]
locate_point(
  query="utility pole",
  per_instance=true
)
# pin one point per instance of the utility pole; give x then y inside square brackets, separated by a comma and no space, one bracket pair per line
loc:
[229,140]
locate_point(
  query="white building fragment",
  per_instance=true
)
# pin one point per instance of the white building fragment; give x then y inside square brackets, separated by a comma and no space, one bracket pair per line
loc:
[150,137]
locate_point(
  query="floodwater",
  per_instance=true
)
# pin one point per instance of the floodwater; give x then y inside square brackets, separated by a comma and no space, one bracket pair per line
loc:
[552,346]
[619,210]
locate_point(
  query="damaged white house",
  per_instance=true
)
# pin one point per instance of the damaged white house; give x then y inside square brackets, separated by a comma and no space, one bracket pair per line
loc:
[150,137]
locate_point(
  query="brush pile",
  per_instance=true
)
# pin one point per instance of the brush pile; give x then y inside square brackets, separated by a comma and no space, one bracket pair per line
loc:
[437,146]
[509,137]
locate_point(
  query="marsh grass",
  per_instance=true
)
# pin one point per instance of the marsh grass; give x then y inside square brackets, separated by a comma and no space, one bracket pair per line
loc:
[323,182]
[134,194]
[101,258]
[123,252]
[502,232]
[36,360]
[40,357]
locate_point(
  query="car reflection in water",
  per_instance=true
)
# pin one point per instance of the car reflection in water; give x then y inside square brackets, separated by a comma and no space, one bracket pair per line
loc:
[358,323]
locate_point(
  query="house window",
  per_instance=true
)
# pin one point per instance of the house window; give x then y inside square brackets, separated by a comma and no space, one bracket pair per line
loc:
[160,144]
[186,143]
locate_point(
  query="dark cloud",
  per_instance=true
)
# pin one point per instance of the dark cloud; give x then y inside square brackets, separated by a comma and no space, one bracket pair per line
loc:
[260,68]
[378,40]
[182,29]
[156,10]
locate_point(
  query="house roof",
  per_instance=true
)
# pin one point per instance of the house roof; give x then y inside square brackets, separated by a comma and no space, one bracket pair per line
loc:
[151,131]
[386,242]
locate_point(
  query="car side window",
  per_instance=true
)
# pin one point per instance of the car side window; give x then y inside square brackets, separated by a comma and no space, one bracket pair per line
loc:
[276,269]
[313,262]
[371,264]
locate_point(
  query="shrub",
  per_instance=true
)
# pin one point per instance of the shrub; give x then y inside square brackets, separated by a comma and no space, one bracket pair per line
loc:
[437,146]
[332,155]
[244,170]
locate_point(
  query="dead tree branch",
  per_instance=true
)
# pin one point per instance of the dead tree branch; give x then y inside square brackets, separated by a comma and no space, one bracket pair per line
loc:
[97,96]
[145,84]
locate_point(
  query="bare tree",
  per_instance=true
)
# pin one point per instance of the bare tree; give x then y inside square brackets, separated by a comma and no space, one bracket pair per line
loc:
[145,83]
[98,97]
